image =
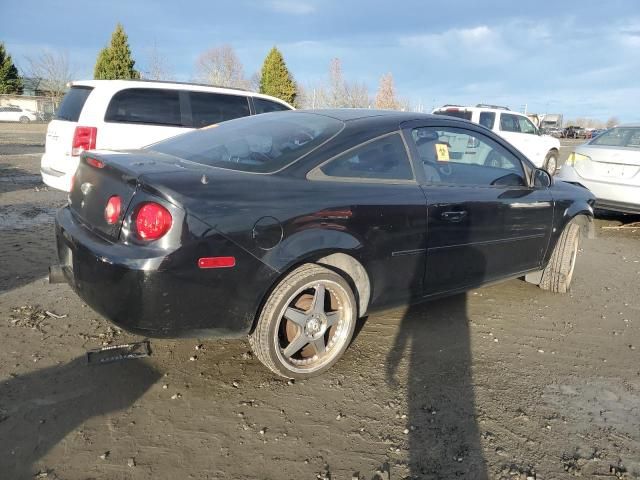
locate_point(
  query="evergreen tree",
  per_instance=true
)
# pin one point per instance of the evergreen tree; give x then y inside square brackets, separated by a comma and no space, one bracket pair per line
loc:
[115,61]
[275,79]
[10,81]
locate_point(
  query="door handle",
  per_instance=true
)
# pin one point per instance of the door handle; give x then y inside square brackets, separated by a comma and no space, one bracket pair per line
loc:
[453,216]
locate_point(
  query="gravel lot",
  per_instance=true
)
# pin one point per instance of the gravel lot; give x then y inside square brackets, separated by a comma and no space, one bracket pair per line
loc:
[503,382]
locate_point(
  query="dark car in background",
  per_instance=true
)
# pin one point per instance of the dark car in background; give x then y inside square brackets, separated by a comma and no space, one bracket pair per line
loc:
[574,131]
[288,227]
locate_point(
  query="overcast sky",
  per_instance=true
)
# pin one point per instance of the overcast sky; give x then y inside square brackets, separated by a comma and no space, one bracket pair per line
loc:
[580,58]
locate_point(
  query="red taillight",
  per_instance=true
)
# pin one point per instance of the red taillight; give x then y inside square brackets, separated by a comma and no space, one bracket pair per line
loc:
[112,210]
[217,262]
[84,138]
[152,221]
[94,162]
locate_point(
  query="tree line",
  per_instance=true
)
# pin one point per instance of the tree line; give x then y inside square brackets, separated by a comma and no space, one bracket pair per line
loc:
[219,66]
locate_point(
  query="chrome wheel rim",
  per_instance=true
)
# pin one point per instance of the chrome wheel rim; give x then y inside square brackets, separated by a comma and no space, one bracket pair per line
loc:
[313,326]
[551,165]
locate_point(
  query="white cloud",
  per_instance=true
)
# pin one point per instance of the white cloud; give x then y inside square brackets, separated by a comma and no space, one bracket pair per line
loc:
[476,44]
[292,7]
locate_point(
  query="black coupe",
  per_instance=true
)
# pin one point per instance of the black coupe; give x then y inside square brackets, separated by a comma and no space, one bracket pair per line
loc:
[287,227]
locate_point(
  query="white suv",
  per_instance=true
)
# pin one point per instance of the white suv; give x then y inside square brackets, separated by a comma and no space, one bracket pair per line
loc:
[516,128]
[124,114]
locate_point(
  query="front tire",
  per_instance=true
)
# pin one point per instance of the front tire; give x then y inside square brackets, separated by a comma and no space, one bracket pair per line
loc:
[24,119]
[306,323]
[557,275]
[551,162]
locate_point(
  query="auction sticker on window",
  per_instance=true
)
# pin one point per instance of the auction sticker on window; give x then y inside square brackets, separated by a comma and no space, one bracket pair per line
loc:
[442,152]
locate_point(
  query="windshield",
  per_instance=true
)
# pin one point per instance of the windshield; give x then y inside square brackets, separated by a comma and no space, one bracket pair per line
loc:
[262,143]
[628,137]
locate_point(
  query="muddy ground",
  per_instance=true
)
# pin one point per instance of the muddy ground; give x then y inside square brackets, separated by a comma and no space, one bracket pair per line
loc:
[503,382]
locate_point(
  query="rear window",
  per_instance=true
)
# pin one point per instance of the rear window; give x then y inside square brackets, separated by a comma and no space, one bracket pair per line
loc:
[454,112]
[72,104]
[145,105]
[265,106]
[210,108]
[628,137]
[262,143]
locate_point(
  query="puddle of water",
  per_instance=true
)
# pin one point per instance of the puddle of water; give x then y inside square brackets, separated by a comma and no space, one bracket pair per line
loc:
[26,217]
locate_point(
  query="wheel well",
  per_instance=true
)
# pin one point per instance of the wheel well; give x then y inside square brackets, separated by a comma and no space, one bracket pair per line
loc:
[354,272]
[585,222]
[553,150]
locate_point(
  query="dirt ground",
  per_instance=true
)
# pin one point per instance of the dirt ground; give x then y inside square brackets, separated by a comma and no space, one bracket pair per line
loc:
[503,382]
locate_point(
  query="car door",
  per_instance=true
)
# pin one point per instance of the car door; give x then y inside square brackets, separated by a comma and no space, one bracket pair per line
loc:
[509,129]
[485,221]
[374,186]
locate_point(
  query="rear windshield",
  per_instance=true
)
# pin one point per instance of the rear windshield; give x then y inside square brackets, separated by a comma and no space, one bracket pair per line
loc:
[619,137]
[454,113]
[262,143]
[72,104]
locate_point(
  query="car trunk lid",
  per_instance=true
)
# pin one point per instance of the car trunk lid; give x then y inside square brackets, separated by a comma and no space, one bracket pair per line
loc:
[103,174]
[616,165]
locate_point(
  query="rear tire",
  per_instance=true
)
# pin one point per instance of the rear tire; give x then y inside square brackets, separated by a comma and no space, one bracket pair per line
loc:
[551,162]
[24,119]
[557,275]
[306,323]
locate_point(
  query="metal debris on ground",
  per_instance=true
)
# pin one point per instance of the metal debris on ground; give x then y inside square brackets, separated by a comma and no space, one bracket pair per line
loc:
[116,353]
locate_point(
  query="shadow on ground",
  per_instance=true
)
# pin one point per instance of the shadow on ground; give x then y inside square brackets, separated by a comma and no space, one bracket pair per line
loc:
[444,440]
[39,409]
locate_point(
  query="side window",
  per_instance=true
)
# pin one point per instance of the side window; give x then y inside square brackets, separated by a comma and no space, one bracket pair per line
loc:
[509,123]
[210,108]
[526,126]
[462,157]
[266,106]
[488,119]
[145,105]
[384,159]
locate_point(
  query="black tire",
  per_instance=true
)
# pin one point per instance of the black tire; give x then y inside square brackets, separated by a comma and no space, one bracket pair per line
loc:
[557,275]
[24,119]
[323,334]
[551,162]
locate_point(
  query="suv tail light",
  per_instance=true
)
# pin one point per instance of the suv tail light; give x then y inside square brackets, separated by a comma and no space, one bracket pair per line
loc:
[112,210]
[84,138]
[152,221]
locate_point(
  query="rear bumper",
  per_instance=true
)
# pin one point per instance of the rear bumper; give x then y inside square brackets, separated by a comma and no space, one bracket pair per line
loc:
[60,180]
[609,195]
[161,294]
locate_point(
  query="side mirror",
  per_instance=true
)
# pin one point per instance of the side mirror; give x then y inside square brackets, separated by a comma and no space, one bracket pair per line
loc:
[542,179]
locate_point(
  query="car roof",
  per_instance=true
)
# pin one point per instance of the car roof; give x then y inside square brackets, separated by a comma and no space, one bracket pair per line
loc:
[349,114]
[479,107]
[121,84]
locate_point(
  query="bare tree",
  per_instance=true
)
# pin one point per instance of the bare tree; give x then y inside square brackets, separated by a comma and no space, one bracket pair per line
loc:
[220,66]
[158,66]
[386,96]
[52,73]
[339,93]
[612,122]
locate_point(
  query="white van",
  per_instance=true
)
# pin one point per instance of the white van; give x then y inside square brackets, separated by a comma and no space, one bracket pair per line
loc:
[123,114]
[515,127]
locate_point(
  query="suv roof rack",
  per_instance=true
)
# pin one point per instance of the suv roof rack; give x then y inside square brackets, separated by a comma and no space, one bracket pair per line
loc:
[496,107]
[451,105]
